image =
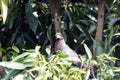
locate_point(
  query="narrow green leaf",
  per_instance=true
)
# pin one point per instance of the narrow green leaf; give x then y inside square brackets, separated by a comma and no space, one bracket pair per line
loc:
[49,34]
[13,65]
[87,74]
[110,36]
[11,74]
[111,50]
[89,53]
[22,56]
[33,20]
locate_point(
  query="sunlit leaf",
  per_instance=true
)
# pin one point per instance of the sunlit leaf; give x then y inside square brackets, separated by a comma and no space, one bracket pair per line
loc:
[116,69]
[19,77]
[89,53]
[13,65]
[62,55]
[87,74]
[55,78]
[22,56]
[4,7]
[37,48]
[15,49]
[117,34]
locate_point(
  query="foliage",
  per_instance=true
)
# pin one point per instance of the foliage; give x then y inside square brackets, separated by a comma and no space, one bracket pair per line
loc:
[31,64]
[27,23]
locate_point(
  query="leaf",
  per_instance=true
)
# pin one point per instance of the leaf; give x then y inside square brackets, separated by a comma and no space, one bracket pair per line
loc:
[110,36]
[92,28]
[55,78]
[11,74]
[111,50]
[112,22]
[4,9]
[116,69]
[117,34]
[89,53]
[76,59]
[13,65]
[19,77]
[49,34]
[31,58]
[33,20]
[37,48]
[22,56]
[87,74]
[62,55]
[15,49]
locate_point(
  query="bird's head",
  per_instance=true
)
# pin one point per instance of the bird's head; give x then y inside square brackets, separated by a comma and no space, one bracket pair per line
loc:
[58,36]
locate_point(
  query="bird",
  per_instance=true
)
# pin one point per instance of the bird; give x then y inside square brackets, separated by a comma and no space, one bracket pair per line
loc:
[60,45]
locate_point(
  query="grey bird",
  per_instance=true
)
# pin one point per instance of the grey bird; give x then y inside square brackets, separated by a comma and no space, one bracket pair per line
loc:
[60,45]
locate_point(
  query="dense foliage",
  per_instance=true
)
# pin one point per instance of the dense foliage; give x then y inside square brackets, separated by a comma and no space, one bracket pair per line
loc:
[24,24]
[31,64]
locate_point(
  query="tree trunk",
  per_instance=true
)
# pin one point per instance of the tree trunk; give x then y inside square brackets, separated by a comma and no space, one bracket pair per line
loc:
[101,11]
[100,22]
[55,11]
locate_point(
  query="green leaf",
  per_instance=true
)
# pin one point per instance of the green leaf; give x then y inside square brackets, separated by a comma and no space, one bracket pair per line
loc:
[31,58]
[111,50]
[33,20]
[49,34]
[11,74]
[37,48]
[3,50]
[87,74]
[112,22]
[89,53]
[13,65]
[92,28]
[19,77]
[62,55]
[116,69]
[15,49]
[110,36]
[21,56]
